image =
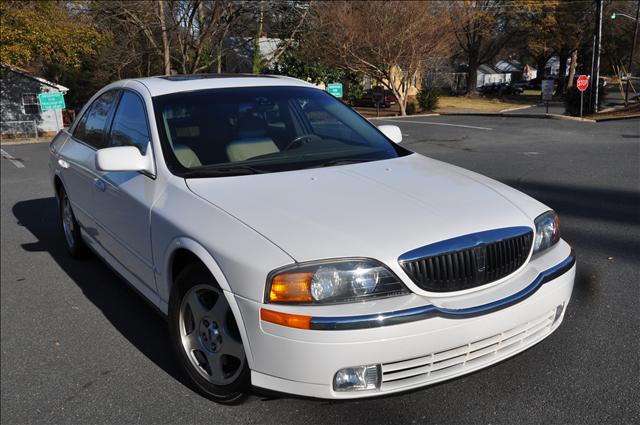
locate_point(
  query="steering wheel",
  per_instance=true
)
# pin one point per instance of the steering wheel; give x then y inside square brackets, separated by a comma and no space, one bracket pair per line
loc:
[300,139]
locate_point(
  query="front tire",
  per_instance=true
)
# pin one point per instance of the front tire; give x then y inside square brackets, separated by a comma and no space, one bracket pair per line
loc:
[205,337]
[70,227]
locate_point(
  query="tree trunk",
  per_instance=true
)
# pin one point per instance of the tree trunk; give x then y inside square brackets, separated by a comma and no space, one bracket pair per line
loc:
[562,72]
[219,57]
[541,61]
[572,68]
[256,44]
[165,39]
[472,79]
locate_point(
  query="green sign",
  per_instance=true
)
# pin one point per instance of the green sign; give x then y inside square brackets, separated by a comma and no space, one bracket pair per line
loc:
[335,89]
[53,100]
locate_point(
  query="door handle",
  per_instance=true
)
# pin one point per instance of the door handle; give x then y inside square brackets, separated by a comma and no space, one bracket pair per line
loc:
[100,184]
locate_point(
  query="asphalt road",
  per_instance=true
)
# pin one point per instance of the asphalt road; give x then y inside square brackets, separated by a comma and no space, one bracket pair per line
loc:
[78,346]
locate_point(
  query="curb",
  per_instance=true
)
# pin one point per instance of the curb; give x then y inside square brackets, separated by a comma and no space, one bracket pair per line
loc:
[502,114]
[518,108]
[625,117]
[406,116]
[24,142]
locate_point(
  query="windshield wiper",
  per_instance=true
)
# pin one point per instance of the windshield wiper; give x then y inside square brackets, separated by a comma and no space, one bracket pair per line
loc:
[216,171]
[341,161]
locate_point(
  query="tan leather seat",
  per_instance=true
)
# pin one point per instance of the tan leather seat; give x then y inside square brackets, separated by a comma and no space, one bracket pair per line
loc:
[186,156]
[252,140]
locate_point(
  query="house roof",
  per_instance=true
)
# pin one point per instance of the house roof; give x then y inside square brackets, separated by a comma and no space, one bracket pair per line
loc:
[489,69]
[508,66]
[27,74]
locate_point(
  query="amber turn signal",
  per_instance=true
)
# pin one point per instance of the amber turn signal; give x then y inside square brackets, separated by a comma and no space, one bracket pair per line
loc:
[291,288]
[285,319]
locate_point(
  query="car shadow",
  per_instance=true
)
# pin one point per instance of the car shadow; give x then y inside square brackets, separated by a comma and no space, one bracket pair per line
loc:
[615,209]
[604,204]
[136,320]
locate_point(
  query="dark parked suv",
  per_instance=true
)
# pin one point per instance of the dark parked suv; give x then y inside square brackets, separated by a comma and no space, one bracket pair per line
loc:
[367,99]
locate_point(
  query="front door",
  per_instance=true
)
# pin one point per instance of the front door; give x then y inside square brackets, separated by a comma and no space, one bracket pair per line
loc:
[123,199]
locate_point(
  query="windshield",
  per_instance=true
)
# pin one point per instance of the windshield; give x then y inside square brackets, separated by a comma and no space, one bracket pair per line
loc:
[251,130]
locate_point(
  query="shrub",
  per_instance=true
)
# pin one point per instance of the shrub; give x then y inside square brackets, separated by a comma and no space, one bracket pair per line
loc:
[428,98]
[412,107]
[572,101]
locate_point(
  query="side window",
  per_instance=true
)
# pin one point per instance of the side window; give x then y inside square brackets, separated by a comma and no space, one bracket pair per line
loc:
[92,127]
[130,123]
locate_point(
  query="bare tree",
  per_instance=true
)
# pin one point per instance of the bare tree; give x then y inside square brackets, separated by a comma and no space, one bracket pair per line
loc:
[481,28]
[389,41]
[166,54]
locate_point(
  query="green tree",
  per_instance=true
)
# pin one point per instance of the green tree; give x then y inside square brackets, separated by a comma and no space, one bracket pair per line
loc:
[38,32]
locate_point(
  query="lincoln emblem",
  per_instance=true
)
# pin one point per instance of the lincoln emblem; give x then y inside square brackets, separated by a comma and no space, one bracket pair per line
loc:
[481,262]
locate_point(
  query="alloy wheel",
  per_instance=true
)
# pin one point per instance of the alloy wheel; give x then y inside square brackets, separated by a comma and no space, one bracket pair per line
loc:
[210,336]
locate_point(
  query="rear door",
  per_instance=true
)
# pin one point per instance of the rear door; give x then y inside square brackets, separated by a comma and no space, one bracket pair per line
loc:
[123,200]
[78,172]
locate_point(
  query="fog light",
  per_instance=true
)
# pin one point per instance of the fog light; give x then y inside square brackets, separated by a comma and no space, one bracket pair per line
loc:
[357,378]
[559,311]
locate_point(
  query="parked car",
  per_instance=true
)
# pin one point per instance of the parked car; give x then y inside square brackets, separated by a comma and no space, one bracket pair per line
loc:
[294,246]
[368,99]
[501,89]
[521,86]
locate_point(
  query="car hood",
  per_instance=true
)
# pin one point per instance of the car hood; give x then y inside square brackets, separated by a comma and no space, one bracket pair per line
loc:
[375,209]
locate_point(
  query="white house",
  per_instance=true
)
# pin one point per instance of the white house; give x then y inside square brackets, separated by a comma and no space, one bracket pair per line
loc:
[21,113]
[489,74]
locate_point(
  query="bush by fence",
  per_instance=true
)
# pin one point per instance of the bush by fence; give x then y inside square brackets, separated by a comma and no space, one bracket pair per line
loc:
[428,98]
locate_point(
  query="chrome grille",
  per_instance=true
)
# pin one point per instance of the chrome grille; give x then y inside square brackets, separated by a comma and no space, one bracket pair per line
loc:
[468,261]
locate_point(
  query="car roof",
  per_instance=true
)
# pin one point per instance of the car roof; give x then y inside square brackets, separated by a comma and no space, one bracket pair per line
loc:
[161,85]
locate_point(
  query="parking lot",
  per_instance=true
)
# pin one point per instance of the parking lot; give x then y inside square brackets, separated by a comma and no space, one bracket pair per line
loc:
[78,346]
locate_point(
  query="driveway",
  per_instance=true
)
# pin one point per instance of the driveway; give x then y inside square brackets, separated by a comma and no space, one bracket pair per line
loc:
[78,346]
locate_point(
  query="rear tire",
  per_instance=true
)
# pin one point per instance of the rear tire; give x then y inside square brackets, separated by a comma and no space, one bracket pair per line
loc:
[205,337]
[70,227]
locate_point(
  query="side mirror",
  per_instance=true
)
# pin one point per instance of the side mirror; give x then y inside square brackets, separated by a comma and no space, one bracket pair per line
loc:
[393,132]
[125,158]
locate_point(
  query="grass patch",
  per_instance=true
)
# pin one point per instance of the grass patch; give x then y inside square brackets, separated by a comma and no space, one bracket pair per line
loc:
[475,104]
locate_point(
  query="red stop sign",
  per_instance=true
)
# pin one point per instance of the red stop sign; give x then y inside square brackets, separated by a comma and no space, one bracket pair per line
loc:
[582,83]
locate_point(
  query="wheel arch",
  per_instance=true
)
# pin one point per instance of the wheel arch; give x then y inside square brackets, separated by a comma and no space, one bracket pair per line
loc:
[57,185]
[183,251]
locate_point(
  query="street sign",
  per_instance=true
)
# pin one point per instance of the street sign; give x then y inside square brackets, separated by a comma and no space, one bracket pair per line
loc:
[378,94]
[582,83]
[52,100]
[335,89]
[547,89]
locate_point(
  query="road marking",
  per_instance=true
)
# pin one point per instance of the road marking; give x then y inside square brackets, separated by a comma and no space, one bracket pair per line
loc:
[11,159]
[440,123]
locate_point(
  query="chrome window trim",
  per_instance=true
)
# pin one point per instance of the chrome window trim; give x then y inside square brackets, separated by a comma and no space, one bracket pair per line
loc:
[424,312]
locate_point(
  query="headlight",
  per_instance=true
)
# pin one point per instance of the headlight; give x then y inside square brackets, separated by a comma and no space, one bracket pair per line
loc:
[547,231]
[337,281]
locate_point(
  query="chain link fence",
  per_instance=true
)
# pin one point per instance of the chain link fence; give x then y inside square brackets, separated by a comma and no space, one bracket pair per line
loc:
[10,130]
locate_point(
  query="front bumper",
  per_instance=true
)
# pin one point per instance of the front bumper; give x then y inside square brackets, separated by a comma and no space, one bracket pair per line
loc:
[411,355]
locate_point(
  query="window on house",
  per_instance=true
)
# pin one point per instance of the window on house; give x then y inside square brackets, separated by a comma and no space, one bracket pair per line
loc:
[30,103]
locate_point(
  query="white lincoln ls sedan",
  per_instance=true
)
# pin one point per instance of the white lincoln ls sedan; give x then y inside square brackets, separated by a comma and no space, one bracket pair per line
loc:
[294,246]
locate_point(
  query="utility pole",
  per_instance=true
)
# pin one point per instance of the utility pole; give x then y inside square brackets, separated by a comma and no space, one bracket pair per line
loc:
[633,46]
[593,64]
[596,82]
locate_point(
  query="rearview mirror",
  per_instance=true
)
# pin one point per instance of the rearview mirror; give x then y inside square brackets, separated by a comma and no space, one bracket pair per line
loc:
[125,158]
[393,132]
